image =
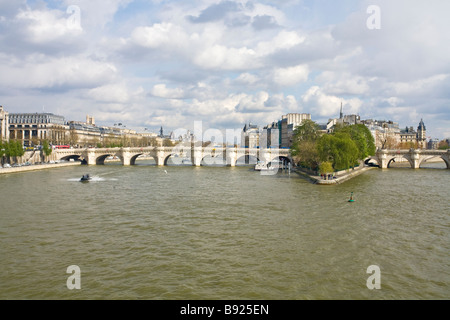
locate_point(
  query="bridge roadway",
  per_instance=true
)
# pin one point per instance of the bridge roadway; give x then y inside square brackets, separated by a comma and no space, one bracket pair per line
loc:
[196,155]
[415,157]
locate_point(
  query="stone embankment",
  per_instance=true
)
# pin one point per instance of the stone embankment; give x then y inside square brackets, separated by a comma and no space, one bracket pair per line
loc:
[340,178]
[37,167]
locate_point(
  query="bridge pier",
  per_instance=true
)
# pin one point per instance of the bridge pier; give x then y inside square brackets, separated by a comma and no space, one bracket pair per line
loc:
[91,157]
[382,159]
[446,158]
[415,159]
[231,155]
[126,157]
[160,157]
[197,156]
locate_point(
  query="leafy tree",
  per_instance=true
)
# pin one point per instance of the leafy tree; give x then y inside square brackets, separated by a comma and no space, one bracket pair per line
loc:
[304,144]
[364,140]
[46,149]
[443,145]
[339,149]
[307,131]
[326,167]
[168,143]
[2,150]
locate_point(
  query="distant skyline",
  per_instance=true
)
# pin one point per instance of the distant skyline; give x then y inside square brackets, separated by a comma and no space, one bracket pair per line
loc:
[153,63]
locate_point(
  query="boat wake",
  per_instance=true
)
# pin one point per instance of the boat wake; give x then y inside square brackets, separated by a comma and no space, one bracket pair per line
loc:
[92,179]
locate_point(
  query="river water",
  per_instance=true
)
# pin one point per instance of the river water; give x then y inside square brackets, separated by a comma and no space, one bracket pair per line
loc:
[147,232]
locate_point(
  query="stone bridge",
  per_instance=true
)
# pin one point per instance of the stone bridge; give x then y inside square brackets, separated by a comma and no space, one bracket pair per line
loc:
[179,154]
[415,157]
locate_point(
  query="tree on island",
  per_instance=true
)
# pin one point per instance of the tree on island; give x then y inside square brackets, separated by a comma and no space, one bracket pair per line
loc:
[343,148]
[304,145]
[339,149]
[326,167]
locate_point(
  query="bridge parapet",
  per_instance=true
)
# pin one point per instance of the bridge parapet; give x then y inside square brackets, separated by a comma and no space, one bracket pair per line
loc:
[196,154]
[414,156]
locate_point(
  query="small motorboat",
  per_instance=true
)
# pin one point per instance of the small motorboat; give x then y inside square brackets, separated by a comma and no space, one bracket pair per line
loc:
[85,178]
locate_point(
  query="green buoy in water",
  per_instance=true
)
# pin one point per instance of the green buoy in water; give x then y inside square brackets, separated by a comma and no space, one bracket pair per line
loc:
[351,198]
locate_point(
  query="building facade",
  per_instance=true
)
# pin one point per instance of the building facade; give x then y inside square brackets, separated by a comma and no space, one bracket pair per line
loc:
[33,128]
[4,125]
[250,136]
[409,138]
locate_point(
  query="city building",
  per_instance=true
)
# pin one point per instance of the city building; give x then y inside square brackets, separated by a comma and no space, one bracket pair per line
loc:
[409,138]
[385,133]
[433,144]
[33,128]
[250,136]
[289,123]
[343,120]
[282,131]
[4,125]
[272,132]
[422,135]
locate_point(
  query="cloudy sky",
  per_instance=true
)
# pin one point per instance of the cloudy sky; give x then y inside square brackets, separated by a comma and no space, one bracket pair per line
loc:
[152,63]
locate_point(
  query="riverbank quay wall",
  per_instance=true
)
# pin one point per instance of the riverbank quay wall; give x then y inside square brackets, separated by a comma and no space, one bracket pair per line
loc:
[341,177]
[37,167]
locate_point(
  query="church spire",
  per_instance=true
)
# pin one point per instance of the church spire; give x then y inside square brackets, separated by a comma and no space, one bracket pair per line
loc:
[341,115]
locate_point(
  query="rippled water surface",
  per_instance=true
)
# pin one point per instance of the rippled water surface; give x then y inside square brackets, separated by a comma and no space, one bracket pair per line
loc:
[145,232]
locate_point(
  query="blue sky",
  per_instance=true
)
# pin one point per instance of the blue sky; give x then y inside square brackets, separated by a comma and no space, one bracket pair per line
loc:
[153,63]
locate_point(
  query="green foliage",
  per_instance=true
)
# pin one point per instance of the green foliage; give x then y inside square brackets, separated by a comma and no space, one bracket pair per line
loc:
[308,131]
[326,167]
[339,149]
[304,146]
[168,143]
[46,148]
[443,145]
[11,149]
[361,135]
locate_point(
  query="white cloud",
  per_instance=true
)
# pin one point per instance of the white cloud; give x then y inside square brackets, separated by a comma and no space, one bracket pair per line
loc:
[159,34]
[344,83]
[46,26]
[329,105]
[47,73]
[290,76]
[113,93]
[161,91]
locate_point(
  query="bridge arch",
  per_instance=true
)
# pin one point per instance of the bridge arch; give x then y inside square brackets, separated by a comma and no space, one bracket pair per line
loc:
[429,157]
[75,157]
[283,159]
[368,162]
[100,160]
[214,160]
[247,159]
[180,159]
[391,159]
[136,156]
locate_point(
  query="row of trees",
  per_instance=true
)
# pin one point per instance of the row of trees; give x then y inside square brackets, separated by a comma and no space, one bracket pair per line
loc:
[14,149]
[11,149]
[340,150]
